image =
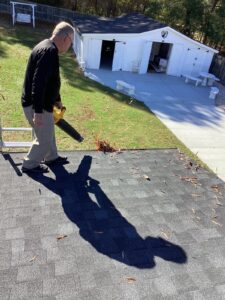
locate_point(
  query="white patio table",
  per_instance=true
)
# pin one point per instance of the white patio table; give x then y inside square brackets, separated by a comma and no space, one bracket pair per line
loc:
[208,78]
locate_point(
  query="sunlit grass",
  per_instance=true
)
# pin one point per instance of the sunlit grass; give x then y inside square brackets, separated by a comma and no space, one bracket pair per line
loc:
[95,111]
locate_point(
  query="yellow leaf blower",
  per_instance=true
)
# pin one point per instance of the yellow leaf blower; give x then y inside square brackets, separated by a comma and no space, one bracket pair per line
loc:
[65,126]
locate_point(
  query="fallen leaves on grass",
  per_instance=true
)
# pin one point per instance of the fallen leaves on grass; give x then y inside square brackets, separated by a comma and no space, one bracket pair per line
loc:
[61,237]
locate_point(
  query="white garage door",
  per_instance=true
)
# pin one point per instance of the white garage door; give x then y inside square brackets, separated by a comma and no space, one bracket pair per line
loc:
[118,56]
[94,53]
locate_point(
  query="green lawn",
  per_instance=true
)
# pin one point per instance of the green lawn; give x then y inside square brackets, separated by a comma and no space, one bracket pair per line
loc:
[94,110]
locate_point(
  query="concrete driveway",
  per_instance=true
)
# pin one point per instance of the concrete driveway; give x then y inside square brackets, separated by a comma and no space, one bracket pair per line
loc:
[184,108]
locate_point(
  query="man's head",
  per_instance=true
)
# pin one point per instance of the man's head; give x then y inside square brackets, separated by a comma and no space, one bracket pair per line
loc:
[63,36]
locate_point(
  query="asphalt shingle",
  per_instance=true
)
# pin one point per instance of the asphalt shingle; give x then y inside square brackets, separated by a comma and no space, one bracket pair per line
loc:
[108,232]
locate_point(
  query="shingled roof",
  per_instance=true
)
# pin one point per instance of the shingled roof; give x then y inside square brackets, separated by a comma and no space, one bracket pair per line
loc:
[127,23]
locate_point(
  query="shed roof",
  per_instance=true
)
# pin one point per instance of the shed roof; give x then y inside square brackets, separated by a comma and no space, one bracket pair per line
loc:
[127,23]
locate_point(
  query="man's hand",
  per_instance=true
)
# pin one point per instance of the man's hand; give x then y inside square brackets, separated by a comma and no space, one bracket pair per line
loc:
[38,121]
[58,104]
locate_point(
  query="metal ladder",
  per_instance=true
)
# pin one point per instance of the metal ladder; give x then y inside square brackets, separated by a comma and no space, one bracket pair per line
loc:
[8,144]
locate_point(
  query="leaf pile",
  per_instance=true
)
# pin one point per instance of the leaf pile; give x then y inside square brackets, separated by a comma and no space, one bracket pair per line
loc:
[104,146]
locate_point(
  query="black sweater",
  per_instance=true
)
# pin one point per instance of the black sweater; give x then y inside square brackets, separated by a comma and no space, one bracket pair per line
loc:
[42,80]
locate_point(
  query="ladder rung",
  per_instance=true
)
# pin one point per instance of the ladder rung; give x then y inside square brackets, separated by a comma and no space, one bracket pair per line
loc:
[16,129]
[15,144]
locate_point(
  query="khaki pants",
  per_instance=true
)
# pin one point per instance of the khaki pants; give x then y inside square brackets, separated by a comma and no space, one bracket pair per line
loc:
[44,145]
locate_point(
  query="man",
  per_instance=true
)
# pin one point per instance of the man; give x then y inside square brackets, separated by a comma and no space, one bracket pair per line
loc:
[40,93]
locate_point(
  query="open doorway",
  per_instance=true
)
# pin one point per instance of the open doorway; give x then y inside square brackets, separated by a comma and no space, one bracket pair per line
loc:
[159,57]
[107,54]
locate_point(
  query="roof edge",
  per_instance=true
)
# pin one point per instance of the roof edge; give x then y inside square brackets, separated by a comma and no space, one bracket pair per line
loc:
[190,39]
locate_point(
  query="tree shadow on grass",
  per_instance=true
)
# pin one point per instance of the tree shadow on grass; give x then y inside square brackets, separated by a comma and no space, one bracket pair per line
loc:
[76,79]
[101,223]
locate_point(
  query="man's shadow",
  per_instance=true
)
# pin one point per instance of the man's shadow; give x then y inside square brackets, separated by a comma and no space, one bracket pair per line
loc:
[101,224]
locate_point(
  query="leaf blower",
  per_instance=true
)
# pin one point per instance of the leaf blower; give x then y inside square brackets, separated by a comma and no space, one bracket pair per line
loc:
[65,126]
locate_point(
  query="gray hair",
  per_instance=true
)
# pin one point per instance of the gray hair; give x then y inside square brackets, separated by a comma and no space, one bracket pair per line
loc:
[63,28]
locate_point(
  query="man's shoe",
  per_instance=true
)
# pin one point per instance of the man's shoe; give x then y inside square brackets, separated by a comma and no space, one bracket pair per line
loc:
[38,169]
[59,160]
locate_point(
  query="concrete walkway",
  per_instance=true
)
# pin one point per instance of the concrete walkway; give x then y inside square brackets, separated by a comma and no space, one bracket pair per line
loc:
[185,109]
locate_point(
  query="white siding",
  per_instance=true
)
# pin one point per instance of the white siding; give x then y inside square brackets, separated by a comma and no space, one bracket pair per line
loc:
[137,54]
[77,46]
[186,56]
[207,61]
[118,56]
[85,50]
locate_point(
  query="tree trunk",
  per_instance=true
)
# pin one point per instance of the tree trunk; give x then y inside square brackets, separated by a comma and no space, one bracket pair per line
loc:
[212,10]
[215,2]
[74,4]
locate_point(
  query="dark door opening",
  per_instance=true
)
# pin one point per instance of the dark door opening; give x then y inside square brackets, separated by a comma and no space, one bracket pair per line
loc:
[107,54]
[159,57]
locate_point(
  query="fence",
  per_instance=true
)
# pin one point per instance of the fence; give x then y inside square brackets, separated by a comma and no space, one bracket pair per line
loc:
[42,12]
[218,67]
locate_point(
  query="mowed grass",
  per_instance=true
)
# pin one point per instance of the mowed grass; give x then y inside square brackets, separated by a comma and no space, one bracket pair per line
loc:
[95,111]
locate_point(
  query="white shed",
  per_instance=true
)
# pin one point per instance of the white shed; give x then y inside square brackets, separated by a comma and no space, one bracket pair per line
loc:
[136,43]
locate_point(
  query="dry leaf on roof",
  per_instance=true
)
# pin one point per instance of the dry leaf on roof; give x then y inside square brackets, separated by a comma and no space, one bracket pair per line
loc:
[146,177]
[216,188]
[33,258]
[197,167]
[217,223]
[166,234]
[131,279]
[61,237]
[193,180]
[195,195]
[189,165]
